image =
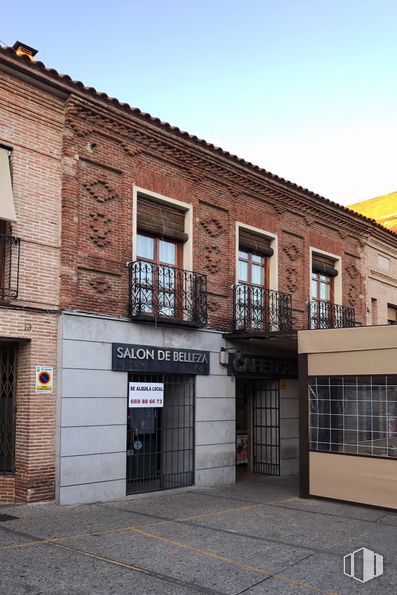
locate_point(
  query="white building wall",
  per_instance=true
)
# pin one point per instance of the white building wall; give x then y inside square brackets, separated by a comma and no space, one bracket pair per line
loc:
[92,409]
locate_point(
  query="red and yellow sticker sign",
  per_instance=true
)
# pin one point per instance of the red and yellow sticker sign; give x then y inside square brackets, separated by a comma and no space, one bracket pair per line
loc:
[44,379]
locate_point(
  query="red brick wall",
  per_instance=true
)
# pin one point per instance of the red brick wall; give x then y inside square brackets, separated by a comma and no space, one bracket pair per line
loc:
[107,155]
[31,122]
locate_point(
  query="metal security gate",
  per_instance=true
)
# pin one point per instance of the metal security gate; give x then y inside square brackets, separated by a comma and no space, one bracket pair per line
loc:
[160,452]
[266,427]
[7,406]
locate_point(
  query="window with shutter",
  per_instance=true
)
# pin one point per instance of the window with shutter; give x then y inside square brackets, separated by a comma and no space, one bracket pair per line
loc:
[323,273]
[160,219]
[322,291]
[253,277]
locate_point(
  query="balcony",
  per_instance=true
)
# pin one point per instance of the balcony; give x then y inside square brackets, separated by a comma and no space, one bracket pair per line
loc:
[261,311]
[9,266]
[324,315]
[166,294]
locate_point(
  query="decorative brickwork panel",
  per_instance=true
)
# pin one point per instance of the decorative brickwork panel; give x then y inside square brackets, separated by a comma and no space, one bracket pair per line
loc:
[100,190]
[100,229]
[292,277]
[215,242]
[354,285]
[293,251]
[99,207]
[95,287]
[213,233]
[293,267]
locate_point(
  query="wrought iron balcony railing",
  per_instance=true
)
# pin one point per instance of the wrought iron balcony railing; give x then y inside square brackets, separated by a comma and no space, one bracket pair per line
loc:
[324,315]
[167,294]
[261,310]
[9,266]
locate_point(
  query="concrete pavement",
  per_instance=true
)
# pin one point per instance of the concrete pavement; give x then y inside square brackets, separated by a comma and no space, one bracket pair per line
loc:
[252,537]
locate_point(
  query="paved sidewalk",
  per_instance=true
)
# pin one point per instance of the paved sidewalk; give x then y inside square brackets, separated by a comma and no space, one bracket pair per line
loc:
[252,537]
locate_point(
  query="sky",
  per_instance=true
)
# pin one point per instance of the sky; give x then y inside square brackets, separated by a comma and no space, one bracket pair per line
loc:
[303,88]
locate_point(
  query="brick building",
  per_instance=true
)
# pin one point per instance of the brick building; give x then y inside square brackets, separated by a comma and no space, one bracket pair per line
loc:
[31,132]
[178,268]
[380,261]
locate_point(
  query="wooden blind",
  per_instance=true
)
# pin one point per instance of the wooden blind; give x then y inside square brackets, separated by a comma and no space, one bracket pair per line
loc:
[324,265]
[160,219]
[255,242]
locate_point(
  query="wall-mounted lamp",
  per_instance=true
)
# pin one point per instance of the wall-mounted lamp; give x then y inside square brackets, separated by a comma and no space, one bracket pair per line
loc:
[223,357]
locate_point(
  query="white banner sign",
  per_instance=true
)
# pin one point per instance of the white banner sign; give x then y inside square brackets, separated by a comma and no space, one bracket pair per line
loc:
[145,394]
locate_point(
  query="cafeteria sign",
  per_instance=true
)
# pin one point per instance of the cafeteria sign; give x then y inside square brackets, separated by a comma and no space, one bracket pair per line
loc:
[44,380]
[145,394]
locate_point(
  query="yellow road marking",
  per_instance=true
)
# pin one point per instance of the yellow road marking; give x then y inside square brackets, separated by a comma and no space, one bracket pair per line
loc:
[210,514]
[58,538]
[101,558]
[55,541]
[231,561]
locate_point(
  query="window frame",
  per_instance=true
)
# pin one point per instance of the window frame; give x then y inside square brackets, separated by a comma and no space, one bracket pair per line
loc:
[255,312]
[265,266]
[318,287]
[337,280]
[273,272]
[156,252]
[155,286]
[348,416]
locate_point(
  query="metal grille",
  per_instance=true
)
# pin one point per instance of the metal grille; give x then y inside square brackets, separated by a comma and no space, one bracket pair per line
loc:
[260,309]
[323,314]
[160,441]
[7,407]
[167,294]
[354,415]
[9,266]
[266,427]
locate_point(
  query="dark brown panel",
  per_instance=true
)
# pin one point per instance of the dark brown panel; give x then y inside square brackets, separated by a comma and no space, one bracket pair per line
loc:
[255,242]
[323,265]
[160,219]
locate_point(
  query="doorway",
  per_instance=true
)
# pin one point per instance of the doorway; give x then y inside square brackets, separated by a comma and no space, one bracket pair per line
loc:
[257,427]
[8,356]
[160,440]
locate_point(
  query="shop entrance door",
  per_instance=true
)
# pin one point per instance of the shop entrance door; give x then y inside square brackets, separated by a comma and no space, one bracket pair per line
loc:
[266,427]
[160,439]
[258,426]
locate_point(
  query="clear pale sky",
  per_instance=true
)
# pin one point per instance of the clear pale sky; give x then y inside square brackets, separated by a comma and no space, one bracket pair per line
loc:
[305,89]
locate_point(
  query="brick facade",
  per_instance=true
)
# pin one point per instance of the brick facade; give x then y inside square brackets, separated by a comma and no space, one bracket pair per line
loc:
[380,263]
[31,123]
[77,157]
[108,154]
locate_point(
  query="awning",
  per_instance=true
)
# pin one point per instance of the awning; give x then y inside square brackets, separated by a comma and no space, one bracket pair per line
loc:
[7,208]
